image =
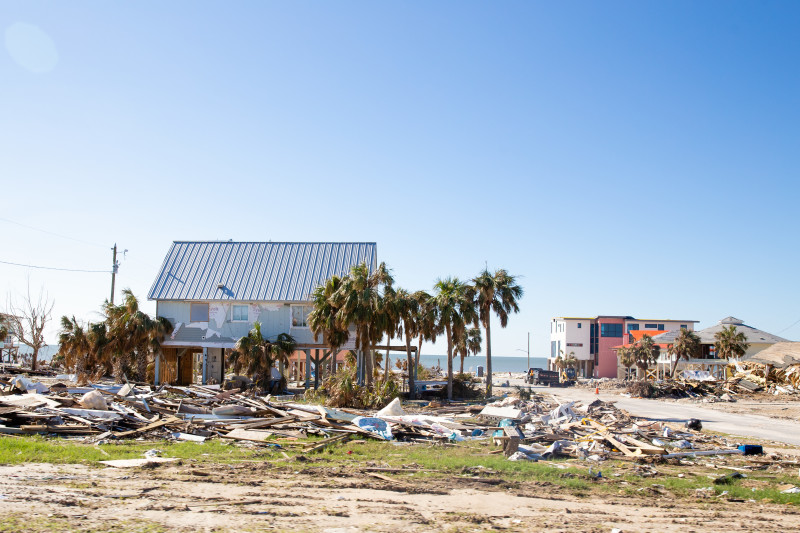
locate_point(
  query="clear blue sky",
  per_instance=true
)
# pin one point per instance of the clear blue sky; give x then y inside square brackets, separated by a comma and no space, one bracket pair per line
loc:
[620,157]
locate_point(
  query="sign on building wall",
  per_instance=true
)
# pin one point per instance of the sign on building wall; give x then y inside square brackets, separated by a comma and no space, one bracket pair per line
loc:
[577,344]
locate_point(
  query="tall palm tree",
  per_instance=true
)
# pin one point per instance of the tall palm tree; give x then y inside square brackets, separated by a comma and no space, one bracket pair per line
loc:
[646,352]
[685,346]
[467,342]
[730,344]
[427,324]
[496,293]
[360,302]
[407,309]
[323,318]
[455,309]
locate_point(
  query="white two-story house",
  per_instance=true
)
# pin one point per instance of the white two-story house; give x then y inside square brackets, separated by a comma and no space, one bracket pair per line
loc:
[214,291]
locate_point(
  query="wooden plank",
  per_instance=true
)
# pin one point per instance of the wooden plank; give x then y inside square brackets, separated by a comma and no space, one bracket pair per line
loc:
[159,423]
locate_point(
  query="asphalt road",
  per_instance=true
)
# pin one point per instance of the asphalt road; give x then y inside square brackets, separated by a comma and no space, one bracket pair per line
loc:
[735,424]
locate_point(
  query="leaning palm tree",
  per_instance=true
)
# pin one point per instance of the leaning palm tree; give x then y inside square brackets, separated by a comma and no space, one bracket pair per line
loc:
[496,293]
[685,346]
[360,302]
[467,342]
[455,309]
[730,344]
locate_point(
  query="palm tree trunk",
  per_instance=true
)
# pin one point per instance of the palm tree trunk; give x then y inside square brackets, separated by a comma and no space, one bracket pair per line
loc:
[386,364]
[449,363]
[674,366]
[488,327]
[416,358]
[461,371]
[411,366]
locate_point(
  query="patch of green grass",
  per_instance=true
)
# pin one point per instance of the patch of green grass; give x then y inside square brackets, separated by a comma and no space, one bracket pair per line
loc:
[64,524]
[37,449]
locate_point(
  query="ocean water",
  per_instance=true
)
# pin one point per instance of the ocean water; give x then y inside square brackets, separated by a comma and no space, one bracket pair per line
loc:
[499,364]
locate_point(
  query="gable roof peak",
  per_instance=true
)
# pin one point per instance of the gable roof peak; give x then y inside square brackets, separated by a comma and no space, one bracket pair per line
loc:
[732,320]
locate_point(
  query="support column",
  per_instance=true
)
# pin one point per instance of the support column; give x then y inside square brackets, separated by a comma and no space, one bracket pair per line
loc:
[205,366]
[157,370]
[308,368]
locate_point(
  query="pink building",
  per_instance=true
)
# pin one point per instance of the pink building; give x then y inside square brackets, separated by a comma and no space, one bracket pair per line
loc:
[592,340]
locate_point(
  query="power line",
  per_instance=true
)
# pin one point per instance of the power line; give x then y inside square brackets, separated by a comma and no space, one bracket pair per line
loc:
[52,233]
[790,327]
[54,268]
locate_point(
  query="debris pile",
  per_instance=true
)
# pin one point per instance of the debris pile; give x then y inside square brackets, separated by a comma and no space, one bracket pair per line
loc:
[532,429]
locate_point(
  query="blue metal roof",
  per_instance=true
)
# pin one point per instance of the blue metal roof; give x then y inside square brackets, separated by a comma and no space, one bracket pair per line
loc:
[255,271]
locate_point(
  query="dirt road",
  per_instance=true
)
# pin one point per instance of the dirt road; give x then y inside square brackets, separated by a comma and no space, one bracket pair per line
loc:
[259,496]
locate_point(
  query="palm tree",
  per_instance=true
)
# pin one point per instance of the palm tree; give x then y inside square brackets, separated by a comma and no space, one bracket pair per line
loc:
[74,346]
[570,361]
[360,302]
[83,348]
[627,358]
[133,336]
[427,324]
[255,356]
[323,318]
[730,344]
[407,309]
[646,352]
[496,293]
[468,342]
[685,346]
[455,308]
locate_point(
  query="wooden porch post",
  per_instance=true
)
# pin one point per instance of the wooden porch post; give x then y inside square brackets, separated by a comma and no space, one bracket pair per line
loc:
[307,351]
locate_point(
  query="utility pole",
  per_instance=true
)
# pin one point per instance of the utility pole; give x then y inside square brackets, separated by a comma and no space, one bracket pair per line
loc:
[114,268]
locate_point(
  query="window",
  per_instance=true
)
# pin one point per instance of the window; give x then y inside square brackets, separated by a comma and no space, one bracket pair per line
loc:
[198,313]
[593,340]
[651,326]
[300,315]
[633,327]
[684,326]
[579,325]
[661,327]
[239,313]
[611,330]
[552,349]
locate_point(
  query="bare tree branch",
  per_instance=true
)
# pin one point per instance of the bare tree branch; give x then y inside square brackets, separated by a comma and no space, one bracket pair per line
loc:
[27,319]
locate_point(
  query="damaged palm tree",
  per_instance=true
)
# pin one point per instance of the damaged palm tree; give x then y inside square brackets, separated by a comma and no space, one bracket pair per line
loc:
[254,356]
[133,336]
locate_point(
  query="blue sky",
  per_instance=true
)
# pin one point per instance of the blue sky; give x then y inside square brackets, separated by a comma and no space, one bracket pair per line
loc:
[620,157]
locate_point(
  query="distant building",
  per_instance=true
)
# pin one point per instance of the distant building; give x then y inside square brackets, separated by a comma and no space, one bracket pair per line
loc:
[213,291]
[758,340]
[9,348]
[593,340]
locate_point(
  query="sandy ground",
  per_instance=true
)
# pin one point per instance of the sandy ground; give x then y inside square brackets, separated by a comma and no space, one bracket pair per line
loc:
[265,496]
